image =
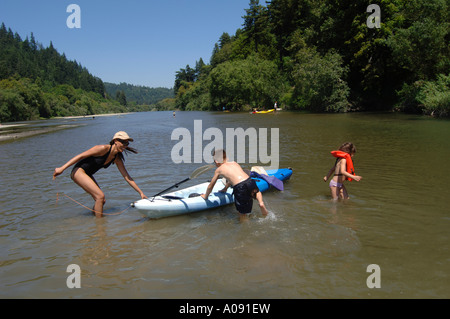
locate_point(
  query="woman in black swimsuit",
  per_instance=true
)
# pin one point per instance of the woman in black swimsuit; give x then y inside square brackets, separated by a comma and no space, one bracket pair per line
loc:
[100,156]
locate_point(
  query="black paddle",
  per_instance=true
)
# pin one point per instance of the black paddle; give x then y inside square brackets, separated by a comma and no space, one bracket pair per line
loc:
[199,171]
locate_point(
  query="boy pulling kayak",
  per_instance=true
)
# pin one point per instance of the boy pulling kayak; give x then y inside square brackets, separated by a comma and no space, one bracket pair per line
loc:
[244,188]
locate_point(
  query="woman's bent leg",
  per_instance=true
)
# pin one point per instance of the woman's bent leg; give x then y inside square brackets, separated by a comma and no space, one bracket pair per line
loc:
[83,180]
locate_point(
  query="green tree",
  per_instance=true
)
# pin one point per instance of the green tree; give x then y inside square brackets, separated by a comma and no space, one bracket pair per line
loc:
[284,17]
[422,46]
[13,108]
[255,23]
[184,75]
[121,97]
[320,82]
[224,39]
[428,97]
[252,82]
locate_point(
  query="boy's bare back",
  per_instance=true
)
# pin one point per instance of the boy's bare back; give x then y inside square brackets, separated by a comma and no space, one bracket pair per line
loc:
[233,172]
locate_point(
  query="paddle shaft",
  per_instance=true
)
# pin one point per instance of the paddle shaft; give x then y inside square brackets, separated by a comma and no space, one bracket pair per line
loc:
[196,173]
[174,186]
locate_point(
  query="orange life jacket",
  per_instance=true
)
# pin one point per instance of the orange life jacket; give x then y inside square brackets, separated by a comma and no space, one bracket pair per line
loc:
[348,158]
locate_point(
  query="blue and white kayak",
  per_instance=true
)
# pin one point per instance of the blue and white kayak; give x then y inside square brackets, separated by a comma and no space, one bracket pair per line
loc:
[188,200]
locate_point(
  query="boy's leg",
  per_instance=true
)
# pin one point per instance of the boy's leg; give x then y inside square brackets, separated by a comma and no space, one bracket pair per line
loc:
[243,217]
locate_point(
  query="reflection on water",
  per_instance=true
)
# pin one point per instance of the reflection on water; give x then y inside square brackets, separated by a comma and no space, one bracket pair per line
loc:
[307,247]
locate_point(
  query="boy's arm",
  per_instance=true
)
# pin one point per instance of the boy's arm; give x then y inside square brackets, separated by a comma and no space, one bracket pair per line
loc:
[227,184]
[211,184]
[261,204]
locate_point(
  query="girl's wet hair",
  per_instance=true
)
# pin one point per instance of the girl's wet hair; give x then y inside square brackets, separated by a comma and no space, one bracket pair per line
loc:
[348,148]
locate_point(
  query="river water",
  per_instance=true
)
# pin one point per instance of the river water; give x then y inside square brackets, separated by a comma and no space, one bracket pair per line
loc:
[307,247]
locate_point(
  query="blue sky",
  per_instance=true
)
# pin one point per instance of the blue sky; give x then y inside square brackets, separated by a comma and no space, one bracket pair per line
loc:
[141,42]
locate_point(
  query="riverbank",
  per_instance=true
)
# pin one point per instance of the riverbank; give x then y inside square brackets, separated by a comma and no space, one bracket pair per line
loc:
[12,131]
[91,116]
[9,135]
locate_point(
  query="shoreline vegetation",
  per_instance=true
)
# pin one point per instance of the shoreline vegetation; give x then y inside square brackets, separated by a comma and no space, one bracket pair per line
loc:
[324,57]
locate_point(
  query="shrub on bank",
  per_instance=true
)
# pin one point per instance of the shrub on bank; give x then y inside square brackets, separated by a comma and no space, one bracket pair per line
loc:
[427,97]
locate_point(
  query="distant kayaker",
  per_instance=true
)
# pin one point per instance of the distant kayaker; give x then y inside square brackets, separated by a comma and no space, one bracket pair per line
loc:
[100,156]
[343,170]
[244,188]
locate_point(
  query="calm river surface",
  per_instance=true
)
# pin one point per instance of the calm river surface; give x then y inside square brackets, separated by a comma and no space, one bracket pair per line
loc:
[398,216]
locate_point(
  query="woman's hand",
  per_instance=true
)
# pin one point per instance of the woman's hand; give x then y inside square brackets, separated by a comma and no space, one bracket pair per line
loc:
[143,196]
[58,171]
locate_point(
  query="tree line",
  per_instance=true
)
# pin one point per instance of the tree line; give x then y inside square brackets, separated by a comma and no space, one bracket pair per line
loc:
[321,56]
[29,59]
[141,95]
[38,82]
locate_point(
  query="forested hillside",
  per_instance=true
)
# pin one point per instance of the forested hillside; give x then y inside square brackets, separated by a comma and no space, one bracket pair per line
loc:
[29,59]
[38,82]
[141,95]
[321,56]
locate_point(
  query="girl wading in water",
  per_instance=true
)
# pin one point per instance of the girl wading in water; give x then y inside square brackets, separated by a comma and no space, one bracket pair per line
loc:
[342,170]
[100,156]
